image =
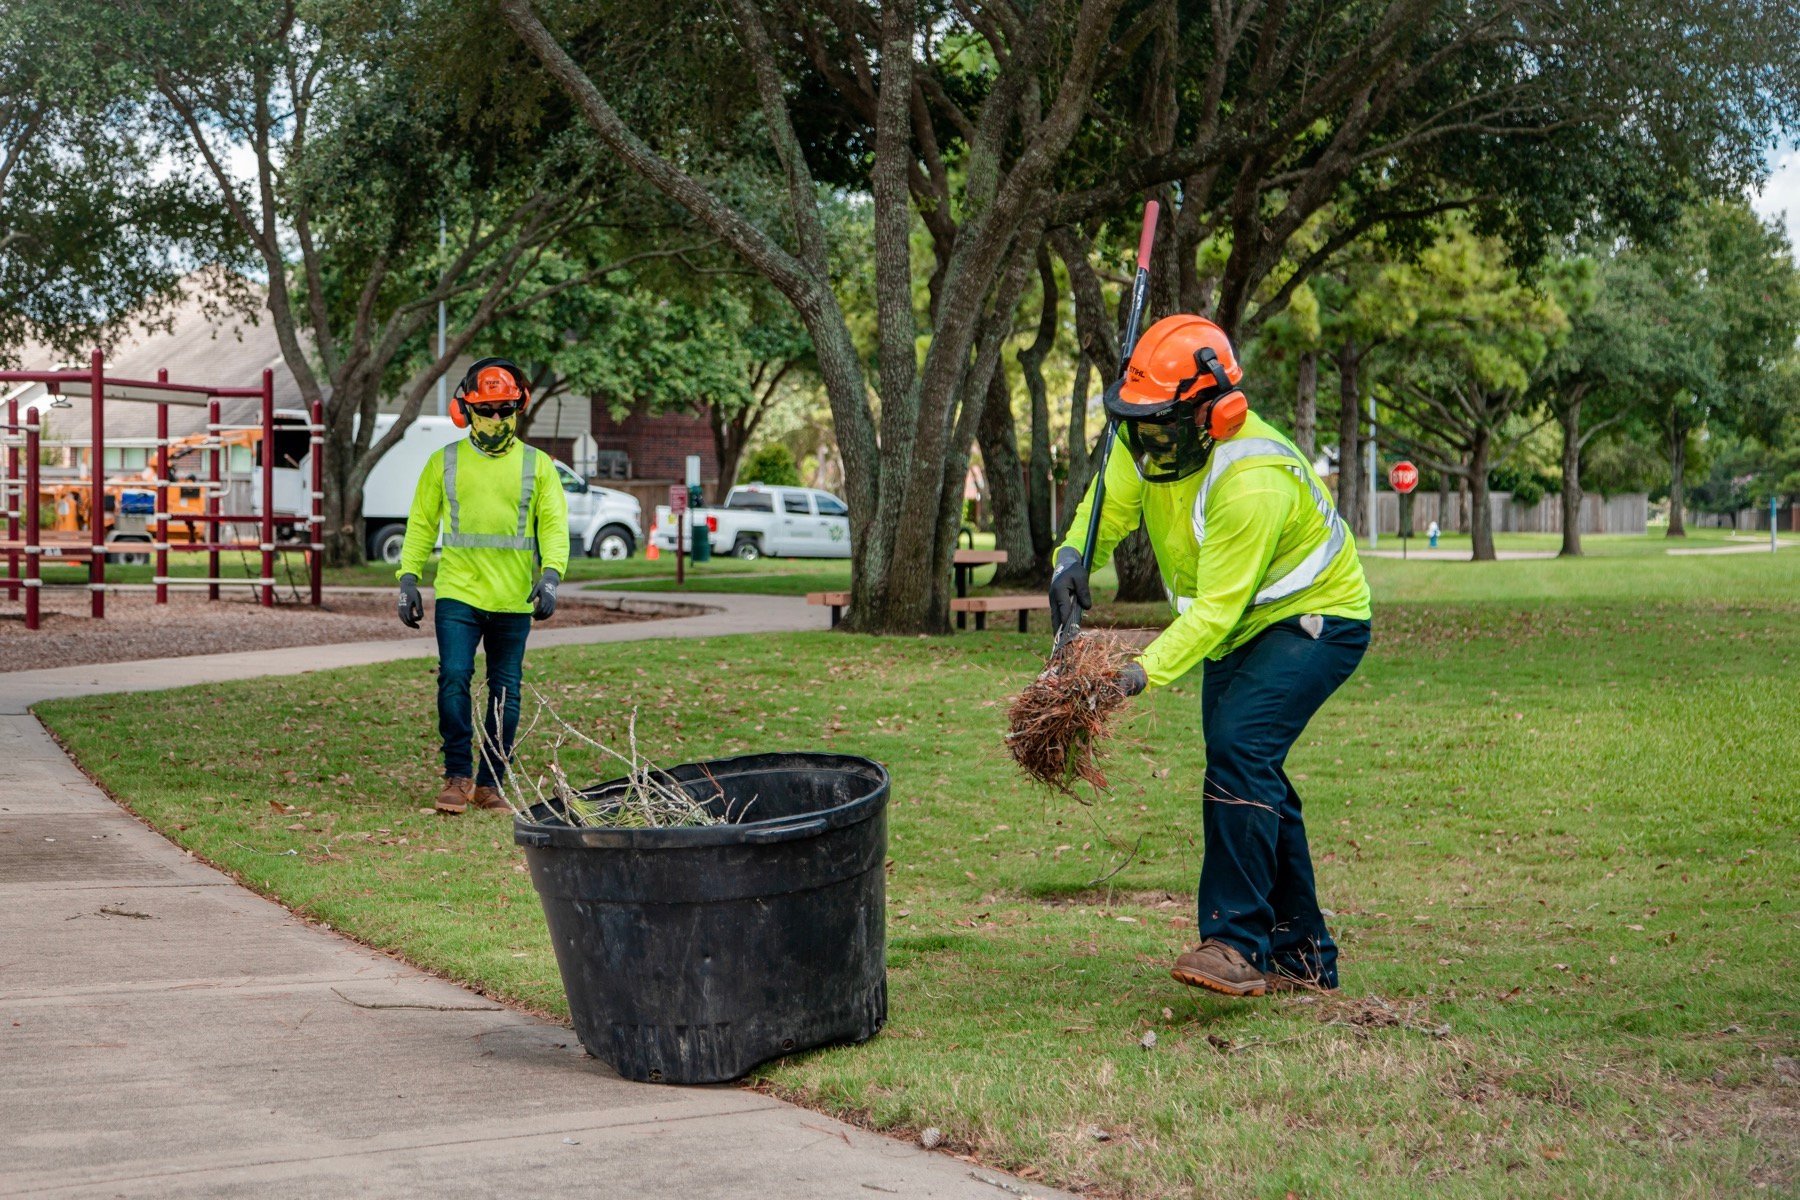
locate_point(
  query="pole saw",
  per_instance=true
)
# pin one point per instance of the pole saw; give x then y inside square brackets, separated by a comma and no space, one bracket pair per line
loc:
[1140,291]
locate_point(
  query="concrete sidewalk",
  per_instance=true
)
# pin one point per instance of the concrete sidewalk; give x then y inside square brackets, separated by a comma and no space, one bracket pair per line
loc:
[168,1033]
[716,615]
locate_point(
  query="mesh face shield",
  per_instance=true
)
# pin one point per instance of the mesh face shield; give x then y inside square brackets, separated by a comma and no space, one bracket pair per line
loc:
[1170,447]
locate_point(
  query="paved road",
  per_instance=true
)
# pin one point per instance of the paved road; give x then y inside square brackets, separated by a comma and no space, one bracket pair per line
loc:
[167,1033]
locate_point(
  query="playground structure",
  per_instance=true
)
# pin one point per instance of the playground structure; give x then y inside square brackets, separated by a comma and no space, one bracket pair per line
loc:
[82,515]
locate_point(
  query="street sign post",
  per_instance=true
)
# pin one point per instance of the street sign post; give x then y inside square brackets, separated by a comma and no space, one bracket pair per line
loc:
[1403,477]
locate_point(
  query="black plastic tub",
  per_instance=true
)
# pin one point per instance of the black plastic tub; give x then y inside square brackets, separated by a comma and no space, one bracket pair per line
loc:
[690,955]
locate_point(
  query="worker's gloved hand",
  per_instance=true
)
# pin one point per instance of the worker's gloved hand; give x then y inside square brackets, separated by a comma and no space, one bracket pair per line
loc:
[543,594]
[1131,678]
[412,605]
[1069,595]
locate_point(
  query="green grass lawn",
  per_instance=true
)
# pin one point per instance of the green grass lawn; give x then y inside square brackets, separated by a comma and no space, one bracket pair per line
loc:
[1554,817]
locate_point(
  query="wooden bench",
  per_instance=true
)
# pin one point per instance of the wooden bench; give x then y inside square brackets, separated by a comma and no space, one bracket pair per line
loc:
[837,600]
[981,606]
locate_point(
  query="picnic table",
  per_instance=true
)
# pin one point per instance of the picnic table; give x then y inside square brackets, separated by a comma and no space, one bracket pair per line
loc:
[963,563]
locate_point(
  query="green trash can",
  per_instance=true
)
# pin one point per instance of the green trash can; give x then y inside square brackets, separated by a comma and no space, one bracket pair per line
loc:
[702,545]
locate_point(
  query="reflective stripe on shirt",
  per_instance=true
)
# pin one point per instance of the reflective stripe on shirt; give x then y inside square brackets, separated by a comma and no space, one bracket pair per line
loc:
[454,536]
[1304,573]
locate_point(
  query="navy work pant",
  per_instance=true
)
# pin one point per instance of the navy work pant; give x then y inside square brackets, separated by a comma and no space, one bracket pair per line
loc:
[1256,882]
[460,628]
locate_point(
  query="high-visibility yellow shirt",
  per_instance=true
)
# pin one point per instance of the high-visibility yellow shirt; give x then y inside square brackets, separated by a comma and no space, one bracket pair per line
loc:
[500,516]
[1250,540]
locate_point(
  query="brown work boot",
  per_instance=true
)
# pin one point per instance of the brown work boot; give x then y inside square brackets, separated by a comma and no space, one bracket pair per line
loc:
[489,798]
[1218,967]
[455,796]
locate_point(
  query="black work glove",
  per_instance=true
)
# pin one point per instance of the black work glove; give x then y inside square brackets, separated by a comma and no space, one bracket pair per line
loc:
[543,594]
[1131,678]
[412,605]
[1069,595]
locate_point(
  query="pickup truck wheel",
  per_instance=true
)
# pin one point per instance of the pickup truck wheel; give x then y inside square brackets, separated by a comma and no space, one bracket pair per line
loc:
[612,542]
[746,548]
[386,543]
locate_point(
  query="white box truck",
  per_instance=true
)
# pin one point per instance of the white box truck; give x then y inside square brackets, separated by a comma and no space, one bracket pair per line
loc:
[603,523]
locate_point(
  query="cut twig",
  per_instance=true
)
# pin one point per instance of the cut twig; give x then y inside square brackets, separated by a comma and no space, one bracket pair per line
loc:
[1060,722]
[648,797]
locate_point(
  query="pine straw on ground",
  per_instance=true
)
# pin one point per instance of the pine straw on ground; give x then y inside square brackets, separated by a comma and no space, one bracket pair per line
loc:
[1060,722]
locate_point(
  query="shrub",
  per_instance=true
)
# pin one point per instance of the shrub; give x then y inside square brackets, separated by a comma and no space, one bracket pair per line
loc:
[772,464]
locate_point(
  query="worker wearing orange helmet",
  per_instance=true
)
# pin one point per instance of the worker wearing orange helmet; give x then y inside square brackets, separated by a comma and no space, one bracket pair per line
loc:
[502,511]
[1268,592]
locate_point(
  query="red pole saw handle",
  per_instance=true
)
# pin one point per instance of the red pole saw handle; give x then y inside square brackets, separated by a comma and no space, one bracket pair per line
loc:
[1148,236]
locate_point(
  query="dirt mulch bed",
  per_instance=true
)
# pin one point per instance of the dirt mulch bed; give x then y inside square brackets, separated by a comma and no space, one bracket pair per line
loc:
[136,627]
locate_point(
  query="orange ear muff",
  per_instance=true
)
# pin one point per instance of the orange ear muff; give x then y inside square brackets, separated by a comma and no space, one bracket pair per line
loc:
[459,416]
[1225,416]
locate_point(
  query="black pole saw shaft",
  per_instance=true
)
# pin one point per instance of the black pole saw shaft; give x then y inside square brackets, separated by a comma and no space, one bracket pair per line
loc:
[1140,291]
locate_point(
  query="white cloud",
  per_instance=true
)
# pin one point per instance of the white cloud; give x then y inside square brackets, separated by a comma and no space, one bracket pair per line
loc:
[1781,193]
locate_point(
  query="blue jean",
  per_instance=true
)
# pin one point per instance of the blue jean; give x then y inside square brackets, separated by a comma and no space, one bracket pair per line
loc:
[460,628]
[1256,880]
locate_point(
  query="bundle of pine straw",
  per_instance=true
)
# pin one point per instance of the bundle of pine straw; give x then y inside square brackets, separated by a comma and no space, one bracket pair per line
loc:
[650,799]
[1060,722]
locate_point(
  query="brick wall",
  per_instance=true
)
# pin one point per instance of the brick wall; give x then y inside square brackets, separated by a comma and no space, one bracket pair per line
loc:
[658,445]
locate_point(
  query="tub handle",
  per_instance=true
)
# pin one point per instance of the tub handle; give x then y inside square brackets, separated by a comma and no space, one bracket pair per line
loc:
[531,837]
[782,832]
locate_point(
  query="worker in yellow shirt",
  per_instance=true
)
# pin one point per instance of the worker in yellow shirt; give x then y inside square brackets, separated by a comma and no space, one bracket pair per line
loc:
[1269,593]
[503,514]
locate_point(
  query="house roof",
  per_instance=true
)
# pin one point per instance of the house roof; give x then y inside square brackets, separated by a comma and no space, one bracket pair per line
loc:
[198,347]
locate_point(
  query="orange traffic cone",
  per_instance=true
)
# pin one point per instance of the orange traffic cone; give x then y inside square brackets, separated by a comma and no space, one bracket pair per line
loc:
[651,553]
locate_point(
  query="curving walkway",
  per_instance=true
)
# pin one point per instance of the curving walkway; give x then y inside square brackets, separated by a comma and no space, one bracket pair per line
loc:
[168,1033]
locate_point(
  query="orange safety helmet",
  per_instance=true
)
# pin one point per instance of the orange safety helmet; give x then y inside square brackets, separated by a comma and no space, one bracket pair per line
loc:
[491,381]
[1183,359]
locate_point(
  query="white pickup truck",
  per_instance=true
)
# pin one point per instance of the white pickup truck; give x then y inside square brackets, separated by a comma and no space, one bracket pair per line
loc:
[757,519]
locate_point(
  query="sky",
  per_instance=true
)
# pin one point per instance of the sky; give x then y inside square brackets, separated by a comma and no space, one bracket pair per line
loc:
[1782,191]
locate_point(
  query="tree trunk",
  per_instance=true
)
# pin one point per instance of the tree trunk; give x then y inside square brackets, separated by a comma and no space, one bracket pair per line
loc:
[1140,579]
[729,440]
[1481,525]
[1677,481]
[343,533]
[1462,505]
[1350,498]
[1306,404]
[999,442]
[1040,482]
[1570,416]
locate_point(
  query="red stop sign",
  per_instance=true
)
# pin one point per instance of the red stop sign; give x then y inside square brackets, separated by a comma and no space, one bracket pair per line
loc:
[1403,477]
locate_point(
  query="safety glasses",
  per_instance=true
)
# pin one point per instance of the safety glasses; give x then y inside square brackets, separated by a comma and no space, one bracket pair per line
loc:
[496,411]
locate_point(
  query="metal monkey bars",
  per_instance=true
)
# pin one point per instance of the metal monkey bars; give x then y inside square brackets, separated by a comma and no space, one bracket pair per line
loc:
[23,495]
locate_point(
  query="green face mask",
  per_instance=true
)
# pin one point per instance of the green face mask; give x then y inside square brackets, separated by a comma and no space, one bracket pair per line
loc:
[493,436]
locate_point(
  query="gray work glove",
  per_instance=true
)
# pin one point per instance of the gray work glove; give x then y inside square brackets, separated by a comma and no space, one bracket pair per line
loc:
[412,605]
[1069,595]
[1131,679]
[543,594]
